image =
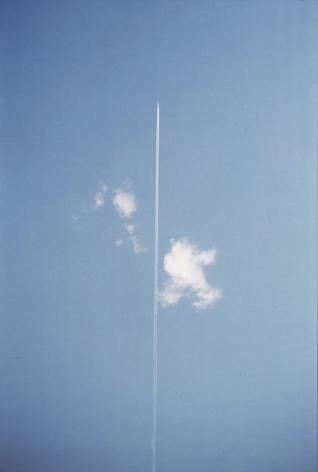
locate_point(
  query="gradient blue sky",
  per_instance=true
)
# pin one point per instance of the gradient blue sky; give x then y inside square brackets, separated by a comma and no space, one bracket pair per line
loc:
[237,85]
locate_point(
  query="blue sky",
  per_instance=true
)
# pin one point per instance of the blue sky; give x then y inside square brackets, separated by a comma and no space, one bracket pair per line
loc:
[237,86]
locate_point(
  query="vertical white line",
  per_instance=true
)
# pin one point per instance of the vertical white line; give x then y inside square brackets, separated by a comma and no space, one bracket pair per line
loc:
[155,304]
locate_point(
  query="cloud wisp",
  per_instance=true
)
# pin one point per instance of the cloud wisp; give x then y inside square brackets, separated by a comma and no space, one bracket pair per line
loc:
[99,199]
[184,264]
[125,204]
[136,244]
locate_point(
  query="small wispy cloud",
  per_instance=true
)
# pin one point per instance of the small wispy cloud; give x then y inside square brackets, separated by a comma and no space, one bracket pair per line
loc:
[99,199]
[136,244]
[125,204]
[184,264]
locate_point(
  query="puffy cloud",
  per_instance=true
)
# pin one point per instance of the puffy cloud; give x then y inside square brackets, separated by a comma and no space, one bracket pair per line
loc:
[125,203]
[184,265]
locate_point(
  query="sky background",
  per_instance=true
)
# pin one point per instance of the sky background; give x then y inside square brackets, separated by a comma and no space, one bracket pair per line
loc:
[237,86]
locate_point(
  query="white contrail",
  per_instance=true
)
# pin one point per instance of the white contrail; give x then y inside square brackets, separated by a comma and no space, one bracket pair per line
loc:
[155,306]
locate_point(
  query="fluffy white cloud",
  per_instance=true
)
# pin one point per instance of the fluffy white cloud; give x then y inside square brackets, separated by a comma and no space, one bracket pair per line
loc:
[125,203]
[184,265]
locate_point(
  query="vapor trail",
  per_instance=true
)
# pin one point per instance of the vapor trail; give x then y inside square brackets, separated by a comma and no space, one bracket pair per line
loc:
[155,305]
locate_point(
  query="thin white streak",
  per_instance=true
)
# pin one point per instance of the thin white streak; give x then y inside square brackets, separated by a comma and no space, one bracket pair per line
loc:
[155,306]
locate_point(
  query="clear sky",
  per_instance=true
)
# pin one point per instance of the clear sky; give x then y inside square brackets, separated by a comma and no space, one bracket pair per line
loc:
[237,86]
